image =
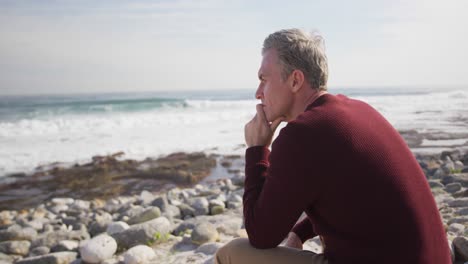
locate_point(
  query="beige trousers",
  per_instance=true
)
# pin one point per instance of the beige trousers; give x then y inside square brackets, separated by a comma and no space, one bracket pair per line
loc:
[239,251]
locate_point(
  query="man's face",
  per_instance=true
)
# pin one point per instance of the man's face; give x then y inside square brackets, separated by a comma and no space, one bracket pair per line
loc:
[275,94]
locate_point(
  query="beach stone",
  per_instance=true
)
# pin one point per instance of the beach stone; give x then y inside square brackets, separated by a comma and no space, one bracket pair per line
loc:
[453,187]
[66,245]
[50,239]
[5,259]
[39,251]
[147,215]
[146,197]
[456,228]
[216,209]
[209,248]
[204,233]
[463,211]
[172,211]
[459,220]
[200,204]
[461,248]
[52,258]
[15,247]
[65,201]
[460,202]
[142,233]
[138,255]
[435,184]
[57,209]
[459,165]
[36,224]
[81,205]
[238,179]
[16,232]
[116,227]
[186,210]
[161,202]
[98,248]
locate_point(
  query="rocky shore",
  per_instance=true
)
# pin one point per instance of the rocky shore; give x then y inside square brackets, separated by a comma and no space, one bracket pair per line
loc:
[107,211]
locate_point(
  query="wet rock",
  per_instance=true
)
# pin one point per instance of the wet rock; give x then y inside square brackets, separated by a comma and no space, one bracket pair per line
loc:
[98,249]
[138,255]
[53,258]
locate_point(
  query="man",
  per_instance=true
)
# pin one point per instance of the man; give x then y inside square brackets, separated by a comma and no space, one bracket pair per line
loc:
[339,161]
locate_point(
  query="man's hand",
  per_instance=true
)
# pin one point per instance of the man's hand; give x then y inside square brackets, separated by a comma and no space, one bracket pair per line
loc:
[293,241]
[259,132]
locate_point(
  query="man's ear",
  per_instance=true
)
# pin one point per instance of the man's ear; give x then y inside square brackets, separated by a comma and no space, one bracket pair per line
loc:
[297,80]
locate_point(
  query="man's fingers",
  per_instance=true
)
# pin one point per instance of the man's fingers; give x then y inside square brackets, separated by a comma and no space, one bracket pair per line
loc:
[276,123]
[261,113]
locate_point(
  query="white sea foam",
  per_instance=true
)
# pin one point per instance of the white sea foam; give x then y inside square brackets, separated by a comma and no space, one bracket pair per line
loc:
[194,125]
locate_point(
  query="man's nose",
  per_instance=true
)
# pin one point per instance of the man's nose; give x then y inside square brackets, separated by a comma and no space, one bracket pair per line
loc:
[259,92]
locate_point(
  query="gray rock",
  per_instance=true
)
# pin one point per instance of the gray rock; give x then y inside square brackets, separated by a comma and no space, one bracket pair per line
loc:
[57,209]
[66,245]
[98,249]
[39,251]
[459,165]
[53,258]
[435,184]
[4,258]
[453,187]
[146,197]
[461,248]
[460,202]
[186,210]
[15,247]
[204,233]
[459,220]
[138,255]
[66,201]
[234,205]
[142,233]
[172,212]
[200,204]
[16,232]
[116,227]
[81,205]
[161,202]
[239,179]
[147,215]
[209,248]
[463,211]
[456,228]
[51,239]
[216,209]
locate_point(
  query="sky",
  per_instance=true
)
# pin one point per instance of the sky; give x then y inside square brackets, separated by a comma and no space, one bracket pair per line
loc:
[88,46]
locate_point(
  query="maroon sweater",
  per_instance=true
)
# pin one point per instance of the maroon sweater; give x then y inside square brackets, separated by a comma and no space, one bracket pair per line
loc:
[350,171]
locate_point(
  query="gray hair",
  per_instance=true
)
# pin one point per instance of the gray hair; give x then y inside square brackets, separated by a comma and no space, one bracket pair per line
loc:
[302,51]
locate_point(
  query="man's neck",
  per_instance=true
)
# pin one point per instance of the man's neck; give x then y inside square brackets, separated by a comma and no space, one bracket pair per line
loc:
[304,100]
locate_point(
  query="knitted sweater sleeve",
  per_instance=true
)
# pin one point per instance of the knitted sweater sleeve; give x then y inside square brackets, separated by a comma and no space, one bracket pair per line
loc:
[275,189]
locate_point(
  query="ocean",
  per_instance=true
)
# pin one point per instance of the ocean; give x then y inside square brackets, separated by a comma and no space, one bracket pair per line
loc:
[40,130]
